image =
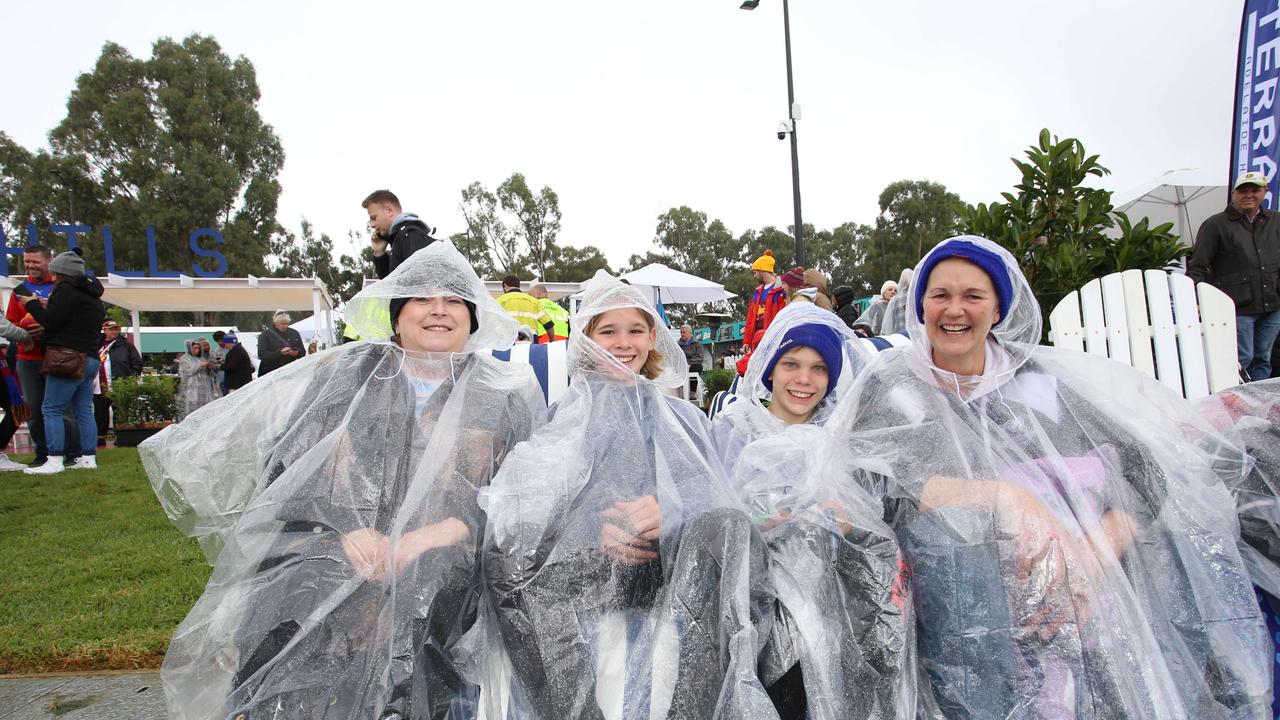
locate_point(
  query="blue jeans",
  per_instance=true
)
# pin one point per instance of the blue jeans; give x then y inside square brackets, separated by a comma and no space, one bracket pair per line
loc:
[1255,336]
[61,392]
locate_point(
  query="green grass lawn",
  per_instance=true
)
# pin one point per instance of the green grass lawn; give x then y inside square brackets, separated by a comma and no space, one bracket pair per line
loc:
[94,576]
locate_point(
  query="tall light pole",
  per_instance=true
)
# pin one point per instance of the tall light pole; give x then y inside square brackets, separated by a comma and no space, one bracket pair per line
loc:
[790,126]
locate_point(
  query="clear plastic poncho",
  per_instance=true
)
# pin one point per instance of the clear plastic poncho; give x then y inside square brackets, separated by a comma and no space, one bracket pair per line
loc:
[336,499]
[1071,554]
[873,316]
[197,383]
[1250,416]
[895,313]
[843,614]
[599,608]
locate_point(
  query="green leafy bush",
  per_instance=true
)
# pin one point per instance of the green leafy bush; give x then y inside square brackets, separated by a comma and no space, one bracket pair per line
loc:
[143,401]
[717,380]
[1062,233]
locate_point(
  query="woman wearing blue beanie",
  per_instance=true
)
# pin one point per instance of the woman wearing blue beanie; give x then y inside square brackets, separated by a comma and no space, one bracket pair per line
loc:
[1071,554]
[839,640]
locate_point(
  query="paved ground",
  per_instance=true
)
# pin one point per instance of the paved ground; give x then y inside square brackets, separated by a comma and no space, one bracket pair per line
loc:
[98,696]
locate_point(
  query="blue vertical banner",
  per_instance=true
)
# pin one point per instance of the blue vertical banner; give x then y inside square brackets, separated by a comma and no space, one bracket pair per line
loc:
[1255,146]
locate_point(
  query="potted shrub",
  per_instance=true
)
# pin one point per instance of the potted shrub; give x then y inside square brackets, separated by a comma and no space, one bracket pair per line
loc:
[144,405]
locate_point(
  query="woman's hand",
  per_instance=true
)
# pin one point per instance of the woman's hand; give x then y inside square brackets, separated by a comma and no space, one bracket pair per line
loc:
[411,545]
[630,530]
[366,550]
[21,413]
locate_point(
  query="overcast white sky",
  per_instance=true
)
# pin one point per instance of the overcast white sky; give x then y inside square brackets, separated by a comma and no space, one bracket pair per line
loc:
[628,109]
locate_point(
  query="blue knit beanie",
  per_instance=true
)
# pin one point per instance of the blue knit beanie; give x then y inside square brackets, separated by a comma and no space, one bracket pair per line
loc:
[991,263]
[824,340]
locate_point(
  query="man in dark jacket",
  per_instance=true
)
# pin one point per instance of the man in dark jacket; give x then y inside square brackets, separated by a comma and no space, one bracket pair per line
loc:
[396,234]
[279,344]
[236,364]
[1238,251]
[843,297]
[120,359]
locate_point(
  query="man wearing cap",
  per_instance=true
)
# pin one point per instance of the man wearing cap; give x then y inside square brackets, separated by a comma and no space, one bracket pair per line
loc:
[1238,251]
[236,364]
[769,297]
[279,344]
[119,359]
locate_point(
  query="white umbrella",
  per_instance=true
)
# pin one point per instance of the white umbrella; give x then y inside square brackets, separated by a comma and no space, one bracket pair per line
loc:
[1184,197]
[661,283]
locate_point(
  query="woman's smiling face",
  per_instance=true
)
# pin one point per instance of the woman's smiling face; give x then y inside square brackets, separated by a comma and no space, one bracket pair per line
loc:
[440,323]
[626,334]
[960,306]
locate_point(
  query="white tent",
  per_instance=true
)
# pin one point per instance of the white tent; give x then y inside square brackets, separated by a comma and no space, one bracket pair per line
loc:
[188,294]
[309,327]
[1184,197]
[662,284]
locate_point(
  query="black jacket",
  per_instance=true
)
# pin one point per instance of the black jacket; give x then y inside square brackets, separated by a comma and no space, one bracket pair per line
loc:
[125,360]
[845,308]
[1239,258]
[271,342]
[406,239]
[238,367]
[74,315]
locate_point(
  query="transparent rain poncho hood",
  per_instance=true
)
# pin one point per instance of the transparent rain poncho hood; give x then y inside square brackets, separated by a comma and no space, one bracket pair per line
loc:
[336,499]
[619,563]
[842,612]
[1250,416]
[1071,553]
[895,312]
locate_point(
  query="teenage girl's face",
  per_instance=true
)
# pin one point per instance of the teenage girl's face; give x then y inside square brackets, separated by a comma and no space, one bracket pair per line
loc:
[626,335]
[434,324]
[799,383]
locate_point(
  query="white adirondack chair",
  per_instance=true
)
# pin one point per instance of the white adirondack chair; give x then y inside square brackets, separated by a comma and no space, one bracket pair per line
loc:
[1165,325]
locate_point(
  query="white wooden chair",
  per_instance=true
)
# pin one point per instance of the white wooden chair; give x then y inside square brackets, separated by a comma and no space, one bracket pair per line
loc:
[1165,325]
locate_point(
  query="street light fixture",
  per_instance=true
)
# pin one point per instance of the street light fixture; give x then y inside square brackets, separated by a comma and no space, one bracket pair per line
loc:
[793,114]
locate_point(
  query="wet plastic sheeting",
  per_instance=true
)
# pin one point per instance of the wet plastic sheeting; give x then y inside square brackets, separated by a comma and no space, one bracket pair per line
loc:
[588,615]
[1071,553]
[1250,416]
[337,498]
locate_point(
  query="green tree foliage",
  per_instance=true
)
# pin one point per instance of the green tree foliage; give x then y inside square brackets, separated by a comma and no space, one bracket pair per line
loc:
[537,220]
[1062,233]
[914,216]
[174,141]
[571,264]
[476,252]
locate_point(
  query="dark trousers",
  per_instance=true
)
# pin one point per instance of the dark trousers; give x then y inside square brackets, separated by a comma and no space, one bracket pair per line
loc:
[335,669]
[541,611]
[102,416]
[33,391]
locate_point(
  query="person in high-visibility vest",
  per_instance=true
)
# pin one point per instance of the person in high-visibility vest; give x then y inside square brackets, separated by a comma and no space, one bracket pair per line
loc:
[559,316]
[525,309]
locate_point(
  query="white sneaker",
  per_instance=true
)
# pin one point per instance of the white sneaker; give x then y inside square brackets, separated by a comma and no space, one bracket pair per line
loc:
[50,466]
[84,462]
[7,465]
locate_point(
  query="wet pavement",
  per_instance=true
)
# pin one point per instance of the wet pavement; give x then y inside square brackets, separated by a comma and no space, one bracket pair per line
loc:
[97,696]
